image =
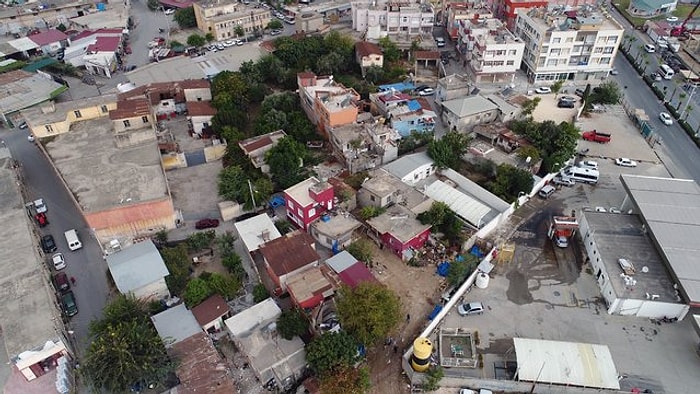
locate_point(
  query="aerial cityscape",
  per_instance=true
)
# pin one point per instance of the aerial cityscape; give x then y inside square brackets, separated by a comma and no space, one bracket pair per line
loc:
[350,196]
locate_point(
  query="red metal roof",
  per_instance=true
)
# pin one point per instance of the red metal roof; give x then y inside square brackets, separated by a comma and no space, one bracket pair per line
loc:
[290,252]
[211,309]
[48,37]
[130,109]
[365,48]
[356,274]
[105,44]
[200,108]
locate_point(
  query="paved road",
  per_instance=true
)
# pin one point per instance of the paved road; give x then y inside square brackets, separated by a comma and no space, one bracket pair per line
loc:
[85,264]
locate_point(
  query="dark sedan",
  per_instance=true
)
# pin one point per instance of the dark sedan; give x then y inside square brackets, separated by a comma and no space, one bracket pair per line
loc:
[206,223]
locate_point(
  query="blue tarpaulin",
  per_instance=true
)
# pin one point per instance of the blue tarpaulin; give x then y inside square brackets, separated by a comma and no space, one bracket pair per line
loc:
[476,252]
[443,268]
[413,105]
[459,258]
[435,312]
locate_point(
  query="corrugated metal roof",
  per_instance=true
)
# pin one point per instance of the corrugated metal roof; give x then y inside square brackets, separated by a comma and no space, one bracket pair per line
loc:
[251,231]
[136,266]
[670,209]
[23,44]
[176,324]
[567,363]
[467,106]
[407,164]
[466,207]
[341,261]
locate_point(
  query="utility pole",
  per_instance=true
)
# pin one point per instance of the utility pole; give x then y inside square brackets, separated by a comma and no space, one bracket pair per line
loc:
[252,195]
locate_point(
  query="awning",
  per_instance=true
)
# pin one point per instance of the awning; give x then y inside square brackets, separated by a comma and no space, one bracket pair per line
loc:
[23,44]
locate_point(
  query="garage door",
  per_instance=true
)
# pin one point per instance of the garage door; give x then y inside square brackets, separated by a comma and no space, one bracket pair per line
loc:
[195,158]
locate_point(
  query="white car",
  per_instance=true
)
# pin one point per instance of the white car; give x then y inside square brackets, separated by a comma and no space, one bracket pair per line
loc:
[169,11]
[543,90]
[564,181]
[40,206]
[650,48]
[212,48]
[229,43]
[472,308]
[426,92]
[666,118]
[593,165]
[239,42]
[59,262]
[561,241]
[625,162]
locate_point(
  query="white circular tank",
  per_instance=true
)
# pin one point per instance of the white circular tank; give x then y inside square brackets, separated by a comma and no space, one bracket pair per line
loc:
[482,280]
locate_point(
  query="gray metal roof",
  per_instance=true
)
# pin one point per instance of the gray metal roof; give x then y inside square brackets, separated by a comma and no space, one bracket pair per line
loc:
[670,210]
[406,164]
[341,261]
[136,266]
[471,105]
[175,324]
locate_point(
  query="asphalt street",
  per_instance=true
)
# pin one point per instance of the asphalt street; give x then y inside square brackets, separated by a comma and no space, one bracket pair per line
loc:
[86,264]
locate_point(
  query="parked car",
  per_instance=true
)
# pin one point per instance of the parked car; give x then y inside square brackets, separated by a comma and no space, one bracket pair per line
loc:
[130,68]
[212,48]
[40,205]
[593,165]
[206,223]
[561,241]
[61,282]
[564,181]
[625,162]
[566,104]
[579,92]
[169,11]
[69,305]
[472,308]
[275,32]
[238,42]
[666,118]
[650,48]
[426,92]
[23,125]
[543,90]
[31,138]
[41,219]
[229,43]
[48,245]
[655,77]
[220,46]
[614,71]
[59,262]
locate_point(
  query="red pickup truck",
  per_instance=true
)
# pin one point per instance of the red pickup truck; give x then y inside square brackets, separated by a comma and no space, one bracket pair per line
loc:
[596,136]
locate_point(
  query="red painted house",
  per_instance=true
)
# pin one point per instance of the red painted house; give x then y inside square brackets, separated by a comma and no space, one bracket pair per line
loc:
[507,10]
[399,230]
[307,201]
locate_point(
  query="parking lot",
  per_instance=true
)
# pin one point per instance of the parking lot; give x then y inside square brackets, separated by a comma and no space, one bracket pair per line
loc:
[547,108]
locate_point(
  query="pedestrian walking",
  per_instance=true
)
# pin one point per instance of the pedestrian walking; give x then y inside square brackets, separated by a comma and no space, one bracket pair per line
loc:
[72,280]
[408,317]
[396,349]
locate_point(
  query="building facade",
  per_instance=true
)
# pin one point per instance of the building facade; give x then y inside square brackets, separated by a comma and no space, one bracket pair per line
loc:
[307,201]
[567,45]
[507,10]
[222,18]
[326,102]
[492,52]
[377,19]
[457,12]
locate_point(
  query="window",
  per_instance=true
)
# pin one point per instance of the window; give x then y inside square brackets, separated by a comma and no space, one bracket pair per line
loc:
[300,212]
[312,212]
[371,198]
[556,40]
[104,109]
[49,128]
[290,205]
[144,119]
[555,52]
[77,114]
[512,52]
[609,50]
[510,62]
[127,123]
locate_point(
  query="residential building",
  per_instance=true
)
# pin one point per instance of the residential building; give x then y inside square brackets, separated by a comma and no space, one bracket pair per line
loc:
[413,168]
[75,53]
[256,148]
[568,45]
[383,189]
[399,230]
[19,18]
[457,11]
[417,116]
[651,8]
[507,10]
[290,254]
[368,54]
[463,114]
[33,333]
[451,87]
[256,231]
[275,361]
[100,58]
[327,103]
[223,17]
[377,19]
[335,231]
[492,53]
[364,146]
[307,201]
[350,271]
[55,118]
[347,196]
[211,313]
[390,99]
[199,114]
[310,288]
[180,92]
[20,90]
[200,367]
[139,270]
[50,41]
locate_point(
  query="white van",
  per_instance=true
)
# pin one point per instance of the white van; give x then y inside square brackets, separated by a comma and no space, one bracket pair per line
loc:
[546,191]
[73,240]
[666,72]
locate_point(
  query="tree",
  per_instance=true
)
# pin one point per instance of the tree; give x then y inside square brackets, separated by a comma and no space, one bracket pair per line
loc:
[680,101]
[529,106]
[361,250]
[234,185]
[442,218]
[346,380]
[555,142]
[370,212]
[556,87]
[238,30]
[195,40]
[390,50]
[510,182]
[274,24]
[209,283]
[153,4]
[61,27]
[185,18]
[369,311]
[209,37]
[260,293]
[124,348]
[374,74]
[331,350]
[447,152]
[433,377]
[460,270]
[286,161]
[234,264]
[292,323]
[197,291]
[200,240]
[178,263]
[607,93]
[530,151]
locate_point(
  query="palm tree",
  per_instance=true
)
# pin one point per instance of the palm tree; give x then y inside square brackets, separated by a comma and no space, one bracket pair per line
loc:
[680,100]
[688,109]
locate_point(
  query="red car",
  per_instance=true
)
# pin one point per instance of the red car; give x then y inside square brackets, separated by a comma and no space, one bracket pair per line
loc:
[206,223]
[41,219]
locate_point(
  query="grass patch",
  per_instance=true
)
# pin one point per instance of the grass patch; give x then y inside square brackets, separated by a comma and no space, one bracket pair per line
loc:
[681,11]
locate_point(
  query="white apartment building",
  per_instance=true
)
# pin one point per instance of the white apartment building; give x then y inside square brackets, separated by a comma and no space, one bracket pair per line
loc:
[569,45]
[380,18]
[222,17]
[492,52]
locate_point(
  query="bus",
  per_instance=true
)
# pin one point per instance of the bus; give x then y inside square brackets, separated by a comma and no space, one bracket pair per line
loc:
[584,175]
[666,72]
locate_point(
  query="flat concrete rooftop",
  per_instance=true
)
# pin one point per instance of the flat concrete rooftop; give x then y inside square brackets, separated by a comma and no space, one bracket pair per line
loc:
[28,314]
[103,175]
[620,236]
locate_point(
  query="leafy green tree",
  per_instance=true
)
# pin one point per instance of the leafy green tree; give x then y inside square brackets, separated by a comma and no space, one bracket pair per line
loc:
[234,264]
[260,293]
[61,27]
[200,240]
[436,215]
[433,377]
[390,49]
[195,40]
[209,37]
[284,226]
[331,350]
[346,380]
[274,24]
[369,311]
[555,142]
[556,86]
[286,161]
[239,31]
[510,182]
[447,152]
[292,323]
[185,18]
[153,4]
[233,185]
[529,106]
[374,74]
[226,286]
[124,348]
[607,93]
[460,270]
[196,292]
[178,263]
[530,151]
[370,212]
[442,218]
[361,250]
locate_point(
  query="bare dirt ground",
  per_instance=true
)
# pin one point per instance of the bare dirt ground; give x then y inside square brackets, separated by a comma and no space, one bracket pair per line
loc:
[418,289]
